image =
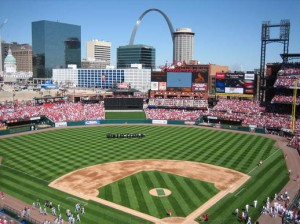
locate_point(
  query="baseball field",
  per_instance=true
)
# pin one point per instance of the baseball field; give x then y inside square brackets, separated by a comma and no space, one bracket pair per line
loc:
[31,162]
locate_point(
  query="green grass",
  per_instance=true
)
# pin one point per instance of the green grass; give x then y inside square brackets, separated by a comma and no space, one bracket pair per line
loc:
[31,162]
[125,115]
[160,192]
[187,194]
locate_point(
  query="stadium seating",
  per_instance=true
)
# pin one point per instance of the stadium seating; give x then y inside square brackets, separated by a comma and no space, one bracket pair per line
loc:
[57,112]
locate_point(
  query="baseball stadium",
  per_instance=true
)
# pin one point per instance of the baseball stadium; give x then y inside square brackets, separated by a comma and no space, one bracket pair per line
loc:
[203,144]
[173,161]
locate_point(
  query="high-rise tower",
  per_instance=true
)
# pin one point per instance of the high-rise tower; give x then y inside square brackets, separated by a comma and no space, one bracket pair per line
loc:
[54,45]
[98,50]
[183,45]
[136,54]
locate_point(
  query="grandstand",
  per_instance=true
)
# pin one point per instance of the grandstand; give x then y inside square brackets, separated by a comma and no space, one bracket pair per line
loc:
[233,108]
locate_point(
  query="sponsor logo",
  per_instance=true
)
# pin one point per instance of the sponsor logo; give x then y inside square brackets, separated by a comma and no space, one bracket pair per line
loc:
[91,122]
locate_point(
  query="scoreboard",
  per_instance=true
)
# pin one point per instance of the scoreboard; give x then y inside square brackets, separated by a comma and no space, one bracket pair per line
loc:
[239,84]
[180,81]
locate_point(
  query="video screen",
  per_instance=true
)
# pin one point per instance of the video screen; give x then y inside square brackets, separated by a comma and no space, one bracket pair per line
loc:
[235,83]
[179,79]
[158,76]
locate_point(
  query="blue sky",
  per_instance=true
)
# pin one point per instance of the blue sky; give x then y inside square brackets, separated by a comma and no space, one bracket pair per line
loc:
[227,32]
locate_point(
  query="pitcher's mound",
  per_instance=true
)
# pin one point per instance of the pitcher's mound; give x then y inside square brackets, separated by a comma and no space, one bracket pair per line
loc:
[160,192]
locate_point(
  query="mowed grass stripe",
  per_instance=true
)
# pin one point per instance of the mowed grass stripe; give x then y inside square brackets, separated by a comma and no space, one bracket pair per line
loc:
[88,146]
[149,177]
[145,195]
[133,195]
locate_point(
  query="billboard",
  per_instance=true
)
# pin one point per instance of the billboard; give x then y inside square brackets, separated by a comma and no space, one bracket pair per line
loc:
[154,85]
[235,83]
[162,86]
[180,81]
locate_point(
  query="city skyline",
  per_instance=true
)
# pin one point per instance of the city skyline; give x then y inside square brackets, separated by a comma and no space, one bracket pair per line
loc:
[226,32]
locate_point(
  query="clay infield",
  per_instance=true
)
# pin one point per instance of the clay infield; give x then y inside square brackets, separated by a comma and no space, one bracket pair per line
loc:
[84,183]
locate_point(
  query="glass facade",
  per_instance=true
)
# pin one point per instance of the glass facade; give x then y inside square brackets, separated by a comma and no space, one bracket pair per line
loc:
[54,45]
[135,54]
[103,78]
[100,78]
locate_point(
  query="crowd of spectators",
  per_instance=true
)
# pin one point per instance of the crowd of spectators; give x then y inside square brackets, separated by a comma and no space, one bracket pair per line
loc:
[173,114]
[4,219]
[68,111]
[174,102]
[247,112]
[284,81]
[284,99]
[239,106]
[295,142]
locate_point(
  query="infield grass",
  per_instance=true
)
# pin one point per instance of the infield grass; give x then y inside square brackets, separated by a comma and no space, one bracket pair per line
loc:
[125,115]
[187,194]
[31,162]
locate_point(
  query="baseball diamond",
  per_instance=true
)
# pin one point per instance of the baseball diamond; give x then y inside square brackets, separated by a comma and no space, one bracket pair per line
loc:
[33,162]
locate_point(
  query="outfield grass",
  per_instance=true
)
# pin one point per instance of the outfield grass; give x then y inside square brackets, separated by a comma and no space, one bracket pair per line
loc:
[125,115]
[133,192]
[31,162]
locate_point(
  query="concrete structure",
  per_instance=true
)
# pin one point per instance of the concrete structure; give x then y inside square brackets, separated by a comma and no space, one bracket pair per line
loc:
[23,55]
[136,54]
[138,79]
[183,45]
[54,45]
[98,50]
[10,74]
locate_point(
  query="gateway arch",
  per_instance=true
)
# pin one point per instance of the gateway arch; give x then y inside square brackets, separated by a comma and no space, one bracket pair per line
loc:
[137,24]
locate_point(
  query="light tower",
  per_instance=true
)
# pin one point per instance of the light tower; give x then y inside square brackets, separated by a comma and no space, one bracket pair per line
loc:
[1,26]
[266,38]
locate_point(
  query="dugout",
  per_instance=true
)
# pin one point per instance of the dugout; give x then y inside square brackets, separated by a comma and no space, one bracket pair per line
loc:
[28,124]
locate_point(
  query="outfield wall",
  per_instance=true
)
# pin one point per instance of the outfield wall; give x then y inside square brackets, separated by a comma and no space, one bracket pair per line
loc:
[29,128]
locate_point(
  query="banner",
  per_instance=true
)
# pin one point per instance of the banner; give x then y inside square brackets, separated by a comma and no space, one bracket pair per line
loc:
[162,86]
[154,85]
[61,124]
[199,87]
[91,122]
[159,122]
[234,90]
[249,76]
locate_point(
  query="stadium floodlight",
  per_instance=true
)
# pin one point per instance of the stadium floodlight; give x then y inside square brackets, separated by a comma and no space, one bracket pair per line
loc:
[2,24]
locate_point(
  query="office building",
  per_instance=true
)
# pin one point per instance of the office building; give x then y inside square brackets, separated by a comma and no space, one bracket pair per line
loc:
[183,45]
[138,79]
[135,54]
[97,50]
[54,45]
[10,74]
[23,55]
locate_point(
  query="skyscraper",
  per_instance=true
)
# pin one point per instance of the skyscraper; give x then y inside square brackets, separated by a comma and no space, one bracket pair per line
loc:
[98,50]
[135,54]
[54,45]
[183,45]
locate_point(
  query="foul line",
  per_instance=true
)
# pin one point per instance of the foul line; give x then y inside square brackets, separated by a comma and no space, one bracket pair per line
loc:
[264,161]
[239,191]
[27,174]
[75,199]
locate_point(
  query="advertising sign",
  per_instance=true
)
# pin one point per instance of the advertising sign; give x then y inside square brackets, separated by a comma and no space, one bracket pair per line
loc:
[91,122]
[199,87]
[234,90]
[235,83]
[60,124]
[162,86]
[159,122]
[249,76]
[154,85]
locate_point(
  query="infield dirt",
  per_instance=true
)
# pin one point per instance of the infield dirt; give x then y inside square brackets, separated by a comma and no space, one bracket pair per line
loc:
[84,183]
